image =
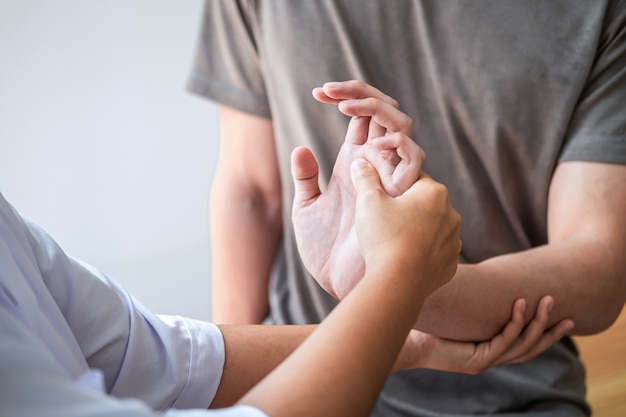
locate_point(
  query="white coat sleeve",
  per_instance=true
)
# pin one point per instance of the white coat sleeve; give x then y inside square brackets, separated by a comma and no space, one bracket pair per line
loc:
[74,343]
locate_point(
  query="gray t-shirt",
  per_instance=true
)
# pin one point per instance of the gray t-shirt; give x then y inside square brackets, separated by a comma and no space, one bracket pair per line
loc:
[499,91]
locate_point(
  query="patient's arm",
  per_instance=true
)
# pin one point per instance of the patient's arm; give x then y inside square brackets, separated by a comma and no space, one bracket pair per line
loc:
[333,258]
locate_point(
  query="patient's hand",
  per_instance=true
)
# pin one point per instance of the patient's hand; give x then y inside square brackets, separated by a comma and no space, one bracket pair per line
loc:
[324,222]
[377,120]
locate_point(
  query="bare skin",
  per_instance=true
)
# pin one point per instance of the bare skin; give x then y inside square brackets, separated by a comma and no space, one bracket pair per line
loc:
[585,239]
[466,305]
[246,219]
[246,343]
[396,280]
[400,254]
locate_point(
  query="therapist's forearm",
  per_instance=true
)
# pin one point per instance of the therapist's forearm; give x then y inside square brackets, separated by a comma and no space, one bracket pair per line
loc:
[343,378]
[252,352]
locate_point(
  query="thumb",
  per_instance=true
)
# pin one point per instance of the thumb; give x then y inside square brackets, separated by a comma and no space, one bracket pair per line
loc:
[305,172]
[364,176]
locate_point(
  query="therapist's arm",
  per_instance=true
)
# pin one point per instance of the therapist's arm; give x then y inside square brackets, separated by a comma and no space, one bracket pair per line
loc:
[323,368]
[244,345]
[405,261]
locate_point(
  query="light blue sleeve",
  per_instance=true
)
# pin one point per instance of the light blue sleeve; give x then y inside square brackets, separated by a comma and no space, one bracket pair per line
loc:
[32,383]
[165,361]
[236,411]
[73,343]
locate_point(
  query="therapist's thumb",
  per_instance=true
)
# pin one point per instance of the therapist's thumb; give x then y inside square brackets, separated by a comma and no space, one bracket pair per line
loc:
[364,176]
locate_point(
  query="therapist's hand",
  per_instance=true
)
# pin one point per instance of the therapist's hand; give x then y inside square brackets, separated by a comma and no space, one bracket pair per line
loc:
[515,344]
[324,222]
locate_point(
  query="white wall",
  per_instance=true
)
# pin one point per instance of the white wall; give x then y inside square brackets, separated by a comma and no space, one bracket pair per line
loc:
[101,144]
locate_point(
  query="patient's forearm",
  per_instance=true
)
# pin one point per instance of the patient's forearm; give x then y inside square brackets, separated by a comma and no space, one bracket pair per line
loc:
[577,273]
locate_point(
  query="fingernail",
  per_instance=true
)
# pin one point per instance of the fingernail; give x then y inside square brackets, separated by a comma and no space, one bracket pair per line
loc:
[332,84]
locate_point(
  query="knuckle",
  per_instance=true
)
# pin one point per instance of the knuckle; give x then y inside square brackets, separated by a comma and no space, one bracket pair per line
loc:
[356,84]
[440,194]
[398,138]
[476,370]
[410,125]
[406,121]
[369,196]
[422,153]
[372,102]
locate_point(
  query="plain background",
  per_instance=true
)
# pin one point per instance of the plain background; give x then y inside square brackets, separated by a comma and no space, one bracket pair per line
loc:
[101,144]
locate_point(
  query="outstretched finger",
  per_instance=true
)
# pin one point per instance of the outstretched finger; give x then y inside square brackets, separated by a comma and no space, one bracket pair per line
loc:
[337,91]
[305,172]
[374,129]
[388,117]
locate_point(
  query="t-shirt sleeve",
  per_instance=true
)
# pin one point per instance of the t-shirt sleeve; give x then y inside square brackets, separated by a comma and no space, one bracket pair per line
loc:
[227,68]
[597,131]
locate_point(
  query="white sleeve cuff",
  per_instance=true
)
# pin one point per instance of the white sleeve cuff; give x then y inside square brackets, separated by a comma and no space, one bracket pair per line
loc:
[239,411]
[206,364]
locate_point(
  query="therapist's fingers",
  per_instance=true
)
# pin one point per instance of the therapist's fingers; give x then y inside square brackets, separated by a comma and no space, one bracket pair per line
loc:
[547,339]
[428,351]
[487,353]
[537,337]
